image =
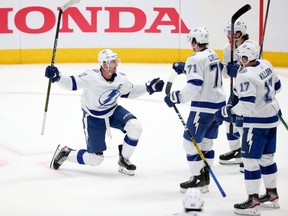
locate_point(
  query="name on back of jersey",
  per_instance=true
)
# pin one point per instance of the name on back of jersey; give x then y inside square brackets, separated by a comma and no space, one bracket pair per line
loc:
[265,73]
[213,57]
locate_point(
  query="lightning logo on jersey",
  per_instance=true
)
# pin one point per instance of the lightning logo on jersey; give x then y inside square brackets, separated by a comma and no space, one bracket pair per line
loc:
[109,97]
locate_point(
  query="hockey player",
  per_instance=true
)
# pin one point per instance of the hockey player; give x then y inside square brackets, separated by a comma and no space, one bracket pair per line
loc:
[256,116]
[101,90]
[241,35]
[205,92]
[193,204]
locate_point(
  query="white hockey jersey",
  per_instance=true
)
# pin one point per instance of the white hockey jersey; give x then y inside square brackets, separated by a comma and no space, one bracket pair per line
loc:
[256,87]
[227,54]
[227,58]
[204,82]
[100,97]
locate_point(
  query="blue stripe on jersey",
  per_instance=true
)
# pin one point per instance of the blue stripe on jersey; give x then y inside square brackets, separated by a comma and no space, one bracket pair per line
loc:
[208,104]
[251,99]
[269,169]
[130,141]
[272,119]
[277,85]
[74,85]
[196,82]
[252,175]
[80,156]
[99,113]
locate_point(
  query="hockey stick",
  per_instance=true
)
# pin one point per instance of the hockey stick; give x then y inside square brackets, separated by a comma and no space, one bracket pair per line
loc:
[235,16]
[261,50]
[264,29]
[282,121]
[167,91]
[62,9]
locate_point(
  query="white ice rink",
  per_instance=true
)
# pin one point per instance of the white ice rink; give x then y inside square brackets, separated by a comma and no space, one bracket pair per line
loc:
[29,187]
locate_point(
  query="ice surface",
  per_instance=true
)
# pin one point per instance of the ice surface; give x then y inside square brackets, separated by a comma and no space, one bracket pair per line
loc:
[29,187]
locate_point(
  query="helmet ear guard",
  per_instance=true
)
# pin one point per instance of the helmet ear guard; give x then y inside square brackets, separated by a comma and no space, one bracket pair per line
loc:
[200,34]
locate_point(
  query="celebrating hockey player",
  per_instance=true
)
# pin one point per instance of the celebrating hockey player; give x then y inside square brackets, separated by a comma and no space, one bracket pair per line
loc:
[101,90]
[205,92]
[240,35]
[256,117]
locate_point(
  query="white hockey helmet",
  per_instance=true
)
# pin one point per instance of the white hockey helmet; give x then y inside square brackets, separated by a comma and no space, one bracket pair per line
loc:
[193,199]
[250,49]
[239,25]
[200,34]
[107,55]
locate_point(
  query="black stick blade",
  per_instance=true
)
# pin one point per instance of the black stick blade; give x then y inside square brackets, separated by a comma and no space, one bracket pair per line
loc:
[240,12]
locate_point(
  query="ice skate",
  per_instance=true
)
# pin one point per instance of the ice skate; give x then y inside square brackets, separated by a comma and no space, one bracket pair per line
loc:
[269,199]
[248,207]
[231,158]
[201,182]
[60,156]
[125,166]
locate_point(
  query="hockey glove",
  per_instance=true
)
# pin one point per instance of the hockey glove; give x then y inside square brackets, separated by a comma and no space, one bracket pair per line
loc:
[232,69]
[223,113]
[172,98]
[155,85]
[52,73]
[179,67]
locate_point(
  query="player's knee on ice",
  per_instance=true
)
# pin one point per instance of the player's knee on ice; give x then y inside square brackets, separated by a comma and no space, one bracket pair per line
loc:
[93,159]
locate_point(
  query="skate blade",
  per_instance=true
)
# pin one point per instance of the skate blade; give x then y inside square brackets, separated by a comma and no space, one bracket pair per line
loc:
[55,153]
[204,189]
[126,172]
[230,162]
[273,205]
[250,211]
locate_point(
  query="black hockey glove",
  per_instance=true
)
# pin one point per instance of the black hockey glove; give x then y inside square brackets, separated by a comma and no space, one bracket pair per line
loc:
[223,114]
[172,98]
[232,68]
[155,85]
[179,67]
[52,73]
